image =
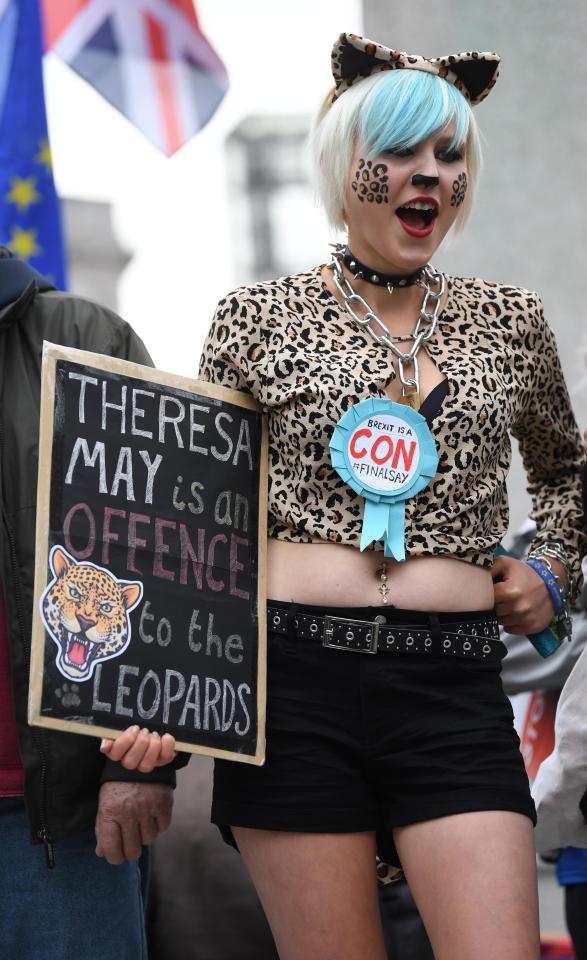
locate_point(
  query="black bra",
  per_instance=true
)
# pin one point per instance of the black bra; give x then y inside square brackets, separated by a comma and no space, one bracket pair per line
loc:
[432,405]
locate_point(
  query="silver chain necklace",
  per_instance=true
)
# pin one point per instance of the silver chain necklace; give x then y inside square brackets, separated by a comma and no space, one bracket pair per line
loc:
[369,321]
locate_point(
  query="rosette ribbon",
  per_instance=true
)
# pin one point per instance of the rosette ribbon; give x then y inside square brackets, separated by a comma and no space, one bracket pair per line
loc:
[385,452]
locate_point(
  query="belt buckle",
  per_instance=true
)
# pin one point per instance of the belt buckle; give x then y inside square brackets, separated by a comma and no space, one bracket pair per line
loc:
[368,644]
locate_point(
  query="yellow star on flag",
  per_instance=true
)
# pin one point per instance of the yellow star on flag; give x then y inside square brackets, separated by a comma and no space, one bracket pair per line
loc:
[44,155]
[24,243]
[22,192]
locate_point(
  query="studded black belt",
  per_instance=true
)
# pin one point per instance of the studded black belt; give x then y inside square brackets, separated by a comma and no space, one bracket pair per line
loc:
[477,639]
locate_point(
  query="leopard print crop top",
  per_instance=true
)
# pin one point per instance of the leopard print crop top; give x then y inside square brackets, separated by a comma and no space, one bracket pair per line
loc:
[291,345]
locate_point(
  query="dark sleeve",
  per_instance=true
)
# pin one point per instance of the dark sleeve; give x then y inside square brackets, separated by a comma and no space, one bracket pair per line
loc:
[552,450]
[115,771]
[127,345]
[86,325]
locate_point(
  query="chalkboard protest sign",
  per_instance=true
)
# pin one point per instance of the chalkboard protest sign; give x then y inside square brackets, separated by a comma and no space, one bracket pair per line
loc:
[151,543]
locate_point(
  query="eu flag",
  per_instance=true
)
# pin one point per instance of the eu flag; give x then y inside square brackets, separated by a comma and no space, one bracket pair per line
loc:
[29,209]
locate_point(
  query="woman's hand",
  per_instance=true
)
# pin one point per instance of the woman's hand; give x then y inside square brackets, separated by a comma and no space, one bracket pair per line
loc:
[140,750]
[522,600]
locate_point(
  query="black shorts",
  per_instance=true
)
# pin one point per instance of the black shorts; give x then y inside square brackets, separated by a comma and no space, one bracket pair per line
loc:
[357,742]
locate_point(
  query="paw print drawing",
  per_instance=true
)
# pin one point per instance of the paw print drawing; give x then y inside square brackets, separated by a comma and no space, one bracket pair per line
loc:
[67,694]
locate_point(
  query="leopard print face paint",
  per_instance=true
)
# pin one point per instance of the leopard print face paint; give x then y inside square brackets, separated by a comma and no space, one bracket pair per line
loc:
[459,190]
[370,182]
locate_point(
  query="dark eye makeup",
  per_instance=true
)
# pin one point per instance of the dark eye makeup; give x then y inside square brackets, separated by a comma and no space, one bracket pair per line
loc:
[446,154]
[398,152]
[449,156]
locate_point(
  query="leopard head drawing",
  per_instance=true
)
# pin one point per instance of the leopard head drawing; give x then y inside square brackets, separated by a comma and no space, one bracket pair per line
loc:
[85,610]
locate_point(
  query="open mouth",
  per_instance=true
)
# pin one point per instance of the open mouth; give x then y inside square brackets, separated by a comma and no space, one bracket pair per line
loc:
[418,216]
[78,650]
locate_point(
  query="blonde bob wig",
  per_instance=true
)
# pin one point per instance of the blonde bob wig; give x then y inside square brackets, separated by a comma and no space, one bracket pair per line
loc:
[390,110]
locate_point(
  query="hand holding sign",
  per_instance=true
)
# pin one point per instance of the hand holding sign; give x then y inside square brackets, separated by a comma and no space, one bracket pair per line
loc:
[385,452]
[141,750]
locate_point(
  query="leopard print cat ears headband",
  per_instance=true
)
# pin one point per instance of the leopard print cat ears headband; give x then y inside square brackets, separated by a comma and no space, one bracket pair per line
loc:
[354,58]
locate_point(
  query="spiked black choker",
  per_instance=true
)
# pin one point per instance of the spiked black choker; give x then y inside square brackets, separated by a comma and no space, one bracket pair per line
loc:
[389,280]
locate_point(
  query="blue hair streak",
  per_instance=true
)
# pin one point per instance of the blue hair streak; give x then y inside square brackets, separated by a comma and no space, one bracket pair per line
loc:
[408,106]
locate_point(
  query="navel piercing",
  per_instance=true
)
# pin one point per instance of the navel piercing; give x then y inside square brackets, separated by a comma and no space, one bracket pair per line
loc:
[420,180]
[383,588]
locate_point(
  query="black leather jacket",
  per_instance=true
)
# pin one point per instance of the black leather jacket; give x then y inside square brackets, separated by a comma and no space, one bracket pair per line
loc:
[63,771]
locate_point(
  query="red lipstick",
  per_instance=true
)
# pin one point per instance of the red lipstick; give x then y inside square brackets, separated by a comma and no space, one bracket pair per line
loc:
[418,221]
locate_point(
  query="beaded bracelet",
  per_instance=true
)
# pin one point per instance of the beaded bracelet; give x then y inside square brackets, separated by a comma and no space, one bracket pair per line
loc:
[554,589]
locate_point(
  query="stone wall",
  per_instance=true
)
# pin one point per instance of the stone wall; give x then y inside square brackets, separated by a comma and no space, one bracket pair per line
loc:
[528,226]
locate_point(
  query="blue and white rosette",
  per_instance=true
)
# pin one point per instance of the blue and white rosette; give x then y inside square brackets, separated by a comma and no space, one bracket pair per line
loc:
[385,452]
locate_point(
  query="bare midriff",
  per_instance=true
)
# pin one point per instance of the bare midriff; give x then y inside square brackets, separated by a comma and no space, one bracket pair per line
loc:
[338,575]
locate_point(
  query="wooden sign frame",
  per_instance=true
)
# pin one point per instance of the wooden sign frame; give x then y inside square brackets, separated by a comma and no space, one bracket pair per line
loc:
[56,361]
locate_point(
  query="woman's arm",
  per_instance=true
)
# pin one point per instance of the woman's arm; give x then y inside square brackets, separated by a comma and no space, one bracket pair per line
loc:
[553,456]
[234,353]
[552,452]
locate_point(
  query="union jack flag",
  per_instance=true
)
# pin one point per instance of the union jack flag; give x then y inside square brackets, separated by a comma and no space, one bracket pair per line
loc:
[148,58]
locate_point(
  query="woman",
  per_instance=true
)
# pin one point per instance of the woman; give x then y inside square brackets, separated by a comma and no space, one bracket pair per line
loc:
[408,737]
